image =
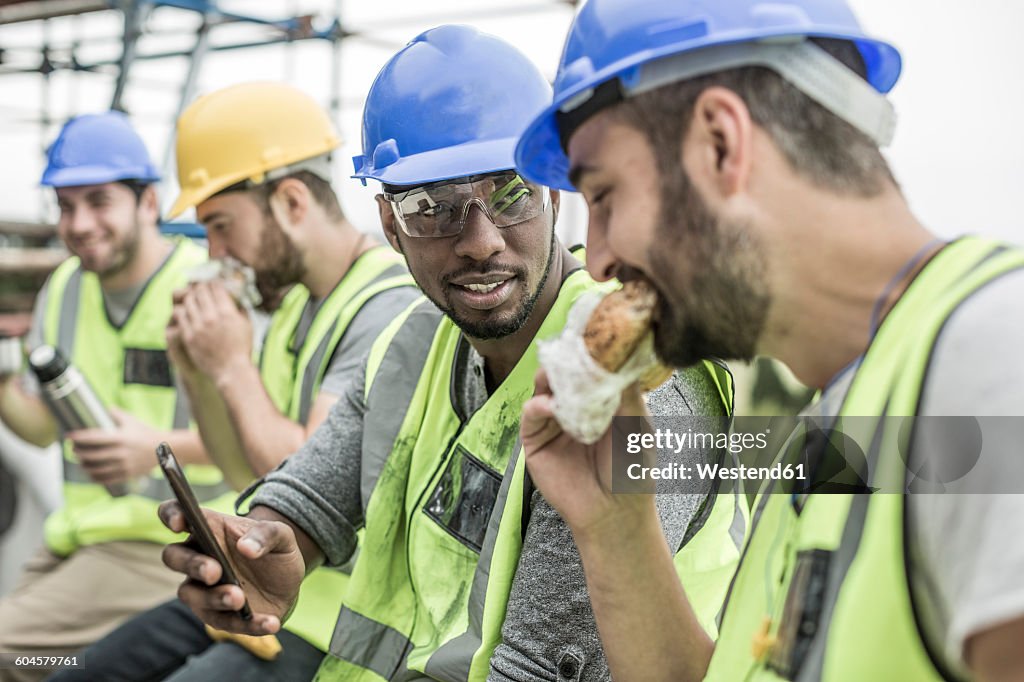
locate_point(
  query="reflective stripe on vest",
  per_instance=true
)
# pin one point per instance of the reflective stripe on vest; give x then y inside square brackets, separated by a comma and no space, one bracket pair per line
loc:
[867,627]
[292,377]
[75,320]
[418,453]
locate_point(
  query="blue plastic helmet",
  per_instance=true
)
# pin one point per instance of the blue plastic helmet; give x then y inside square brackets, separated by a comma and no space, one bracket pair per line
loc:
[94,149]
[451,103]
[615,38]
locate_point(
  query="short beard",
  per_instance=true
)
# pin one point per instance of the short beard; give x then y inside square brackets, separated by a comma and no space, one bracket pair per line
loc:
[125,253]
[280,265]
[489,330]
[713,295]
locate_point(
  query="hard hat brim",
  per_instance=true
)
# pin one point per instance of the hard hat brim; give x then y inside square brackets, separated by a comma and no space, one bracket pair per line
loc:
[473,158]
[76,176]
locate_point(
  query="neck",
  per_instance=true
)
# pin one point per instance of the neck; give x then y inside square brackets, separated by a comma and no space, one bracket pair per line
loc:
[850,253]
[151,251]
[501,355]
[334,249]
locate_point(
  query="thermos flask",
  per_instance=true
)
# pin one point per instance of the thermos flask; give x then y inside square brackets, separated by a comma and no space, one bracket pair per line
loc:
[71,399]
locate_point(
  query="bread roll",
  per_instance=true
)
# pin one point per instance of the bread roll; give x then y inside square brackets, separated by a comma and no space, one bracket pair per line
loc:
[619,323]
[617,326]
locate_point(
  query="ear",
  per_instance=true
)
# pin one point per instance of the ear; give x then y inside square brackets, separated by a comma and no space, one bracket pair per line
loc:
[149,205]
[290,203]
[388,223]
[719,143]
[556,202]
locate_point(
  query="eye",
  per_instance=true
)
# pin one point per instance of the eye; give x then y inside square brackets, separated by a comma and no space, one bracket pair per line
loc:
[439,209]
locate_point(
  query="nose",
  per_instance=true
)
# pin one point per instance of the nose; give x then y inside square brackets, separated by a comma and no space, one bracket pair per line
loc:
[77,221]
[480,238]
[215,245]
[601,262]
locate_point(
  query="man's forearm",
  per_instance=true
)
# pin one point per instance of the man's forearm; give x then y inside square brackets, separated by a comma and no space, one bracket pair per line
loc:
[26,415]
[187,445]
[312,555]
[217,430]
[266,436]
[648,628]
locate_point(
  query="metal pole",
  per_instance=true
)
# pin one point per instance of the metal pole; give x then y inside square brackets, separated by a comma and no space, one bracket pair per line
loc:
[135,13]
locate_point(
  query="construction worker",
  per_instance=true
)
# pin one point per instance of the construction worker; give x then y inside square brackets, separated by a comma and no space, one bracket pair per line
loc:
[463,572]
[729,150]
[260,185]
[105,309]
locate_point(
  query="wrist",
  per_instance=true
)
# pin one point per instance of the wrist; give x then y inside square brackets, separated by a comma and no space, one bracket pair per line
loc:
[635,516]
[230,371]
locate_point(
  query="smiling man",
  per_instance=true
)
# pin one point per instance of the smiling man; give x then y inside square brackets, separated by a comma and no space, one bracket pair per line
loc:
[464,572]
[731,151]
[105,309]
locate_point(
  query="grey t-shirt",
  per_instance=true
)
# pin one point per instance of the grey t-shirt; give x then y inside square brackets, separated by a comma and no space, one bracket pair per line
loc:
[965,548]
[549,618]
[360,334]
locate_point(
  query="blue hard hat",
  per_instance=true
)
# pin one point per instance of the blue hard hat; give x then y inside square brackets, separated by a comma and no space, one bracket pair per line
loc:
[614,38]
[451,103]
[94,149]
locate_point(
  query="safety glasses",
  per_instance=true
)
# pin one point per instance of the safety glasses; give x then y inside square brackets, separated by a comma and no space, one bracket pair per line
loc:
[440,209]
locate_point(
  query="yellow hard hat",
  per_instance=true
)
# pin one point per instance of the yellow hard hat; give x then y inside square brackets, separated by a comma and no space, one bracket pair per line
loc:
[244,131]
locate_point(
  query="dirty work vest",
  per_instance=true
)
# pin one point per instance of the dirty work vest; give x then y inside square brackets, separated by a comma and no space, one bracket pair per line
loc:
[851,616]
[292,377]
[129,369]
[443,495]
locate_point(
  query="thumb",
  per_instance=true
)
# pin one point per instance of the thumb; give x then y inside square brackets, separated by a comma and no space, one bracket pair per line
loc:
[266,537]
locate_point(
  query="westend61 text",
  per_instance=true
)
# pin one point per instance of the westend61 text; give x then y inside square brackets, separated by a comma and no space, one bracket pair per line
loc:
[711,472]
[667,439]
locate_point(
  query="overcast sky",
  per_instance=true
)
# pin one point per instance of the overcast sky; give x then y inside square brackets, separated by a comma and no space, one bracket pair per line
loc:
[957,151]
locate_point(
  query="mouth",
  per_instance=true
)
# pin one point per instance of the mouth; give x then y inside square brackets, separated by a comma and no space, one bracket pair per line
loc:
[484,293]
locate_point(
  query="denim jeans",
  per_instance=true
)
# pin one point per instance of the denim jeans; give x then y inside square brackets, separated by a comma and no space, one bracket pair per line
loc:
[170,643]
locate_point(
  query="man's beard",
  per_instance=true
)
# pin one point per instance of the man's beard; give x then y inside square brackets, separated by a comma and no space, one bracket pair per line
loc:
[124,253]
[712,281]
[280,265]
[495,329]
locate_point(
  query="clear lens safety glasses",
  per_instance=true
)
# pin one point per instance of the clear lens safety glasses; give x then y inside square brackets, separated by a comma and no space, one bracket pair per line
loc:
[440,209]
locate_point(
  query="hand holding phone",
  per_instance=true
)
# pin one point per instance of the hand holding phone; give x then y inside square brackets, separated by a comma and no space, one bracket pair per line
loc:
[259,550]
[197,525]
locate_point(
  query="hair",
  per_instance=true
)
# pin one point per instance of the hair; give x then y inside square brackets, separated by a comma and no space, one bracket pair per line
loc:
[816,143]
[137,187]
[323,193]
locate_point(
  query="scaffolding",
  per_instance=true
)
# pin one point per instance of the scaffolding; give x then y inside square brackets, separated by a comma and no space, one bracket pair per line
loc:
[28,251]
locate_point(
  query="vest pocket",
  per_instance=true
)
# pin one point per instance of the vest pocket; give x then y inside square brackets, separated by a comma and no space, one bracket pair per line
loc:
[464,497]
[801,616]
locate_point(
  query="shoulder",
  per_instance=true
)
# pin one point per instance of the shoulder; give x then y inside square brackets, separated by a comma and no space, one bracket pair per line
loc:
[976,354]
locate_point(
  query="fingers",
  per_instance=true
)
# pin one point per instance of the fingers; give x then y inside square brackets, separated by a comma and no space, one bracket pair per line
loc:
[218,607]
[538,425]
[540,383]
[106,472]
[171,515]
[93,438]
[199,567]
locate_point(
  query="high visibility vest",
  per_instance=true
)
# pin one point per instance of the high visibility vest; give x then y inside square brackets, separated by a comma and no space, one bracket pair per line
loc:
[128,368]
[443,495]
[851,615]
[292,376]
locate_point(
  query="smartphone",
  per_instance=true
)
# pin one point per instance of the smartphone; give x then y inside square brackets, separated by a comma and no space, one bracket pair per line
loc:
[197,526]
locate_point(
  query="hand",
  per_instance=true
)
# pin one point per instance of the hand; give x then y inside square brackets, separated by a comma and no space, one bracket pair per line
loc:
[576,479]
[117,456]
[265,557]
[213,331]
